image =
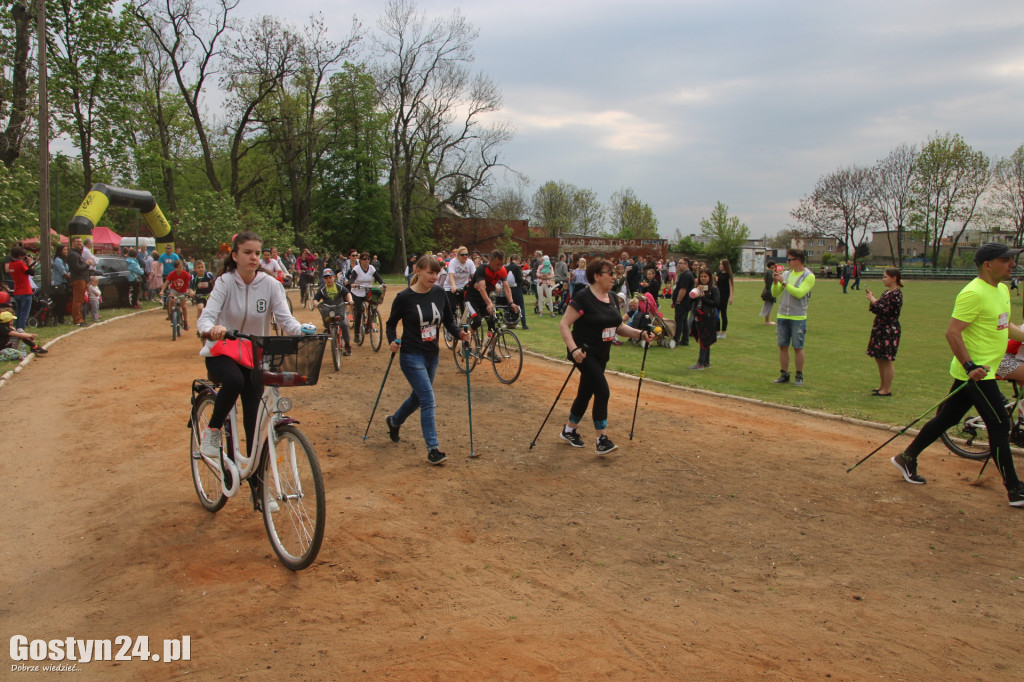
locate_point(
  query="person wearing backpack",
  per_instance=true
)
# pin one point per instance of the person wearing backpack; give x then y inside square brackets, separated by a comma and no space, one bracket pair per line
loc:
[793,290]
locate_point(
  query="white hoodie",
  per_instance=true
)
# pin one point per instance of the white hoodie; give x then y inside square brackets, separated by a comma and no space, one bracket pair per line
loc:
[238,306]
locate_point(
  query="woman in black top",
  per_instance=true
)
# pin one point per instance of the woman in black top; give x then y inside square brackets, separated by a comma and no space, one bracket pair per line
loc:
[595,319]
[422,309]
[725,293]
[707,300]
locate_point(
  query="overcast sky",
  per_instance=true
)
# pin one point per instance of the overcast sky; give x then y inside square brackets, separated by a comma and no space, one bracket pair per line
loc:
[747,102]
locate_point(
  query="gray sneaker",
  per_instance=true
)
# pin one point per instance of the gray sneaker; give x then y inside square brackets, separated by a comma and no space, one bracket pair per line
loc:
[783,378]
[799,381]
[211,443]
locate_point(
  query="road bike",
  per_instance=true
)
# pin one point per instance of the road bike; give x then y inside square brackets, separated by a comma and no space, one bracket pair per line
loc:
[176,308]
[969,437]
[283,459]
[371,323]
[333,314]
[500,346]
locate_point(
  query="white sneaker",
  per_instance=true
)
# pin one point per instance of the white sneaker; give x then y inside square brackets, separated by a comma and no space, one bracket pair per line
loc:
[211,443]
[273,506]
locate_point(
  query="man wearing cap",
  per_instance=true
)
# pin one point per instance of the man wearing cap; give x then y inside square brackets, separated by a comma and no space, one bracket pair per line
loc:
[977,335]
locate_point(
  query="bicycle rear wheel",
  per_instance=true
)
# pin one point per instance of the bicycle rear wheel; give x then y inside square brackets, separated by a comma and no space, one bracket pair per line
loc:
[475,345]
[507,357]
[336,346]
[296,528]
[375,330]
[175,329]
[968,438]
[206,478]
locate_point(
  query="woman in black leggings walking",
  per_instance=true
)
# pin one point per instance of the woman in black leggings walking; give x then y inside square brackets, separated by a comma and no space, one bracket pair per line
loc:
[595,319]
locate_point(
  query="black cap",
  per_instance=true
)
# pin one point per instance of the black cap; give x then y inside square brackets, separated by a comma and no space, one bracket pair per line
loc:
[991,251]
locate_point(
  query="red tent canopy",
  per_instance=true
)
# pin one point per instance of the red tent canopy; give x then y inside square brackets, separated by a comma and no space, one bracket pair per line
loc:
[105,236]
[53,233]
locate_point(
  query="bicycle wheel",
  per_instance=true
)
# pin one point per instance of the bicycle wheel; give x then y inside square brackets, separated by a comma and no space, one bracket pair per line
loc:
[359,330]
[296,528]
[969,438]
[206,478]
[375,330]
[475,345]
[175,329]
[507,356]
[336,346]
[449,340]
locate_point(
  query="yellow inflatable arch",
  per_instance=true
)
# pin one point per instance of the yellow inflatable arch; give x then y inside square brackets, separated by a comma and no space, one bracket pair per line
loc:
[101,196]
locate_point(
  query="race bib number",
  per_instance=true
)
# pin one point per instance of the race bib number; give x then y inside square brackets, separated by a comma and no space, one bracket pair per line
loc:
[428,333]
[1004,321]
[608,335]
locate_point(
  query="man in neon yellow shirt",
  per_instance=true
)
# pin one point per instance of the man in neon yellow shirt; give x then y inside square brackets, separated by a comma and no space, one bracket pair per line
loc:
[977,335]
[793,289]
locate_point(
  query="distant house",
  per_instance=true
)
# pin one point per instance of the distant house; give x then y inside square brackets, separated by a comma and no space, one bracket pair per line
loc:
[816,247]
[884,247]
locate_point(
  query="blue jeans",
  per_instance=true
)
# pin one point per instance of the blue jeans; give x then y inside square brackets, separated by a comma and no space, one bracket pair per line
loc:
[23,303]
[419,370]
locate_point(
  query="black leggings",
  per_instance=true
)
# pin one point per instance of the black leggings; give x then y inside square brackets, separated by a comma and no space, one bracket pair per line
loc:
[357,307]
[723,317]
[592,384]
[986,397]
[235,381]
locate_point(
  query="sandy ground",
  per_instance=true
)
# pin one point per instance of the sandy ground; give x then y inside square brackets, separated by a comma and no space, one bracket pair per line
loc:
[725,542]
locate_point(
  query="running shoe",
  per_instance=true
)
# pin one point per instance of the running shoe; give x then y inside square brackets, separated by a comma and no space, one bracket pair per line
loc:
[392,429]
[604,445]
[572,438]
[435,456]
[211,443]
[908,467]
[799,381]
[1016,496]
[783,378]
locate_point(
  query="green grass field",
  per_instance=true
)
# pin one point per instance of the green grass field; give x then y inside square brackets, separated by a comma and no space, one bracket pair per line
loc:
[838,375]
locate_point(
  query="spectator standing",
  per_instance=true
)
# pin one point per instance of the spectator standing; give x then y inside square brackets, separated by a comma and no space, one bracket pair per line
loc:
[146,261]
[793,289]
[87,253]
[856,275]
[516,271]
[672,270]
[766,293]
[135,276]
[60,290]
[545,274]
[95,298]
[682,302]
[705,306]
[885,332]
[167,260]
[725,281]
[78,273]
[156,278]
[579,277]
[21,270]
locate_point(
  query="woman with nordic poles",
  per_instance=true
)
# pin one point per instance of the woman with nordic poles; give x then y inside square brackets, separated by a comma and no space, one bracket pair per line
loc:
[422,309]
[242,300]
[589,326]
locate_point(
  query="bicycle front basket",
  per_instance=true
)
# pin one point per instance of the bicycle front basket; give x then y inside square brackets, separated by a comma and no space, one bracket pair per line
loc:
[376,295]
[289,360]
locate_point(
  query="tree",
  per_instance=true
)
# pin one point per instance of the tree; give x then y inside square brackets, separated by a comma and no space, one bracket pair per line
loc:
[588,213]
[783,239]
[892,183]
[950,179]
[553,208]
[19,203]
[840,206]
[727,234]
[436,138]
[14,101]
[630,218]
[507,203]
[689,246]
[1008,193]
[189,35]
[91,80]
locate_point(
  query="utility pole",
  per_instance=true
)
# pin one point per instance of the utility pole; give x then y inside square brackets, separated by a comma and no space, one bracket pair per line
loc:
[44,153]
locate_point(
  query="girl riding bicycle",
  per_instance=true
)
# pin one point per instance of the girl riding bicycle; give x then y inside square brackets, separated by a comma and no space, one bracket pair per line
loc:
[360,278]
[243,299]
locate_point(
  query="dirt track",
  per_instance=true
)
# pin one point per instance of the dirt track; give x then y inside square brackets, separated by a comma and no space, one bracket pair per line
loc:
[725,542]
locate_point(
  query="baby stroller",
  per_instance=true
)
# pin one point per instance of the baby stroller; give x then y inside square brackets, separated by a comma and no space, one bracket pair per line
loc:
[39,313]
[645,315]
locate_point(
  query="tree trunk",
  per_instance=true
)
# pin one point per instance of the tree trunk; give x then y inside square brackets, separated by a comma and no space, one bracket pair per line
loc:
[14,134]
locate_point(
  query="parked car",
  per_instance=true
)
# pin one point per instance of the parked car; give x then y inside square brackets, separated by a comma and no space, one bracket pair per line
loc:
[113,273]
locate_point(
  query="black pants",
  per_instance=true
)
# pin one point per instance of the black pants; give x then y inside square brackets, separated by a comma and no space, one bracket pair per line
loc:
[682,325]
[986,397]
[60,295]
[723,316]
[357,305]
[593,384]
[134,292]
[235,381]
[517,298]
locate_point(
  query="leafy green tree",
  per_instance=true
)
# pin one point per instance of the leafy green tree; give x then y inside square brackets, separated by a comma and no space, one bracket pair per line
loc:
[727,234]
[91,81]
[630,218]
[689,246]
[19,201]
[207,219]
[588,212]
[553,208]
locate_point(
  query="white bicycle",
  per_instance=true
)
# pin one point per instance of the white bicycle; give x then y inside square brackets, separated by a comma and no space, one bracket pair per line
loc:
[292,503]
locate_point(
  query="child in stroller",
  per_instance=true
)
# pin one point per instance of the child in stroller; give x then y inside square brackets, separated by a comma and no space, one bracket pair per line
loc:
[644,314]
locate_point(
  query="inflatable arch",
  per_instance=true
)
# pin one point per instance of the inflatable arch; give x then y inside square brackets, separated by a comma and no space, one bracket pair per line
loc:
[101,196]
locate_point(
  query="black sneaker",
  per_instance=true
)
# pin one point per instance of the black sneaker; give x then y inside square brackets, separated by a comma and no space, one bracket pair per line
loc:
[392,429]
[1016,496]
[435,456]
[908,467]
[572,438]
[799,381]
[604,445]
[783,378]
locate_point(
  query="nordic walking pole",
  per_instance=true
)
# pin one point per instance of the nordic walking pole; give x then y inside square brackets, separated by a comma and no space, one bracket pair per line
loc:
[904,429]
[386,372]
[643,363]
[557,397]
[469,392]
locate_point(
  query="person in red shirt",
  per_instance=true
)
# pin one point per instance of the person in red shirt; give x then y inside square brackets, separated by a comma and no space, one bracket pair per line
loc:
[21,268]
[178,282]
